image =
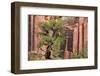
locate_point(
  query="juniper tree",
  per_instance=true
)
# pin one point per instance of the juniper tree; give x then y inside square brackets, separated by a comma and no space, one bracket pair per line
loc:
[52,34]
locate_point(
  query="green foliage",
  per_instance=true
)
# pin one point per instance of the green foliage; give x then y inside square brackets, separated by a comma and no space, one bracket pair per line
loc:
[75,55]
[82,54]
[53,34]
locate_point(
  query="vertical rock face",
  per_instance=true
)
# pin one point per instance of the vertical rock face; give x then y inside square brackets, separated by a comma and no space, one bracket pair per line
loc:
[33,28]
[80,39]
[75,38]
[30,32]
[36,37]
[80,32]
[85,31]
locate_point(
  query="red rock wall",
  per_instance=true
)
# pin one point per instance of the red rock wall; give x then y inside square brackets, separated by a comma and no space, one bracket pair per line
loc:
[83,32]
[80,32]
[38,19]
